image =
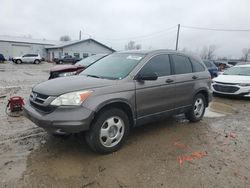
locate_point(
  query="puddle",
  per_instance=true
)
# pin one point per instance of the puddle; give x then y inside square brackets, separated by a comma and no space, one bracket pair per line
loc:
[211,114]
[217,109]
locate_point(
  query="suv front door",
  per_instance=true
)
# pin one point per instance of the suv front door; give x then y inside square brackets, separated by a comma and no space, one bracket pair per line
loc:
[155,97]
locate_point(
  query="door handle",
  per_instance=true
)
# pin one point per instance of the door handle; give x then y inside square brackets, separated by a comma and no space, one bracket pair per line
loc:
[195,77]
[169,81]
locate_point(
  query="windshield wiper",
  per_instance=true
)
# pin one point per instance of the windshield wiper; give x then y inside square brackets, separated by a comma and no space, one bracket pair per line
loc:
[94,76]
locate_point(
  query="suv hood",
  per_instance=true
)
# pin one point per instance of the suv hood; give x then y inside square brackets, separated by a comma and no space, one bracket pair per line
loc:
[59,86]
[17,57]
[232,79]
[63,67]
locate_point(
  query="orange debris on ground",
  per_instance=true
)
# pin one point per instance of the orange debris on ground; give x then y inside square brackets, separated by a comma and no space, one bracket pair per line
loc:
[180,145]
[189,158]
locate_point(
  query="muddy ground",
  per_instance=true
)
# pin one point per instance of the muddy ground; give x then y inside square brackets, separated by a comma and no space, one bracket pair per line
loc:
[170,153]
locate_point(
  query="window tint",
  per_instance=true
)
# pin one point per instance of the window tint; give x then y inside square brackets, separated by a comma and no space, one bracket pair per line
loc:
[159,64]
[182,65]
[197,66]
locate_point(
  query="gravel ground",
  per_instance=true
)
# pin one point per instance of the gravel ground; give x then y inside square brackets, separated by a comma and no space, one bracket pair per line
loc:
[172,153]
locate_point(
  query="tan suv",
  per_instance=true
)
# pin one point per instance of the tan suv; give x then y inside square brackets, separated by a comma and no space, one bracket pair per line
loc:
[119,92]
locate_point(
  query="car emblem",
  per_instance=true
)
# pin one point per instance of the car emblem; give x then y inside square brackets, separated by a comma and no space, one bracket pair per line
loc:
[34,96]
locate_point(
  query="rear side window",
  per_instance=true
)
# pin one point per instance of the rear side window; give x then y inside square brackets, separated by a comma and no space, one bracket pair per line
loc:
[182,65]
[208,64]
[197,66]
[159,64]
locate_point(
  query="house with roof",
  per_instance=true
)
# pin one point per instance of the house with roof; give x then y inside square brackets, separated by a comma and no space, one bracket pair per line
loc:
[80,49]
[49,49]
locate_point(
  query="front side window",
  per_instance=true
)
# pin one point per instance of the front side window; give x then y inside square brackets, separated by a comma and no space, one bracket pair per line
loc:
[182,65]
[114,66]
[159,64]
[197,66]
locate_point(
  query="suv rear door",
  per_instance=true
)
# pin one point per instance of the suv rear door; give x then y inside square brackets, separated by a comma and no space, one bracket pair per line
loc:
[185,80]
[155,97]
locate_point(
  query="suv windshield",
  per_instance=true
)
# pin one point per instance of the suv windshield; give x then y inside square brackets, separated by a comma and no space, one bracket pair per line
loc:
[245,71]
[89,60]
[114,66]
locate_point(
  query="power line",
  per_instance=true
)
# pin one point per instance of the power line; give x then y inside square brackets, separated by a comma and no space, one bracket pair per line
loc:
[139,37]
[215,29]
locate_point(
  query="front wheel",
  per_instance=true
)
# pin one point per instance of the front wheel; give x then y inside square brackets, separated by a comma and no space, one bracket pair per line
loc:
[197,111]
[108,131]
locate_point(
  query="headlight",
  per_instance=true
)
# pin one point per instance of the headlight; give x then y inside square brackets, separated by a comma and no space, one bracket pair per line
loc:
[244,85]
[73,98]
[67,74]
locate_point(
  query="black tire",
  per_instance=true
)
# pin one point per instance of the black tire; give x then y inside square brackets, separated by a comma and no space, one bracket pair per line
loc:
[94,138]
[37,61]
[18,61]
[192,115]
[60,62]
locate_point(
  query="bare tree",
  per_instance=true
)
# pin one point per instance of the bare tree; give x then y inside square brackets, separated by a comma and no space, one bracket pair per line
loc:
[203,53]
[65,38]
[211,50]
[246,53]
[132,46]
[208,52]
[137,46]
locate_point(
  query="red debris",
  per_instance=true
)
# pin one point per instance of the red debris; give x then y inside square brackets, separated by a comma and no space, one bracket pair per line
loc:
[232,135]
[198,154]
[190,158]
[180,145]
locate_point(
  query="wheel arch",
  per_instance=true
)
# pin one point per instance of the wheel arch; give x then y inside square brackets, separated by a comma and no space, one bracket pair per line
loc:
[121,104]
[204,92]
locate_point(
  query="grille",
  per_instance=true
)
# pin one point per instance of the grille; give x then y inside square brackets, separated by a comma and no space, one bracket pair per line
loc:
[39,98]
[226,89]
[45,109]
[226,83]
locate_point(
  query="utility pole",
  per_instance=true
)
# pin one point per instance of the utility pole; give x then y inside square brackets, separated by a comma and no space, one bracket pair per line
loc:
[80,35]
[177,39]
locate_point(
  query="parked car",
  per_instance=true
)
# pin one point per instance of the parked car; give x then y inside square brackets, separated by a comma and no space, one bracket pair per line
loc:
[222,65]
[233,63]
[67,59]
[119,92]
[234,81]
[28,58]
[2,59]
[70,70]
[213,70]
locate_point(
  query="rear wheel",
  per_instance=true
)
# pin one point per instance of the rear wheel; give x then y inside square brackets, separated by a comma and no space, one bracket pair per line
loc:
[60,62]
[18,61]
[108,131]
[197,111]
[36,61]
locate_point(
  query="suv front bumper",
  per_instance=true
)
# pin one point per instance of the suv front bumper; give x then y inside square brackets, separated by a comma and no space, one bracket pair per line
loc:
[63,120]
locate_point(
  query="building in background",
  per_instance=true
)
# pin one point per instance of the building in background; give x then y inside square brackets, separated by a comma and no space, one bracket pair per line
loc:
[80,49]
[48,49]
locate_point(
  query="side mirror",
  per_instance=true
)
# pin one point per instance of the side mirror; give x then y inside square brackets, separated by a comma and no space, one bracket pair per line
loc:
[151,76]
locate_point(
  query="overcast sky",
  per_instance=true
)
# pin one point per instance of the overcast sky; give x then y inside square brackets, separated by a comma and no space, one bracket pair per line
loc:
[115,22]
